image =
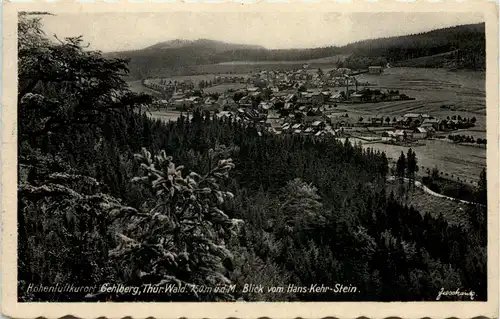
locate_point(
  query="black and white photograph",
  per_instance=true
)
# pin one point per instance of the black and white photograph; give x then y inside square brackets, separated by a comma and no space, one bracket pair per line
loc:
[252,157]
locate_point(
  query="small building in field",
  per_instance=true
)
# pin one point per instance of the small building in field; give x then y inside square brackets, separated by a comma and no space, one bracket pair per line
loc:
[195,100]
[337,97]
[430,123]
[443,125]
[375,69]
[357,97]
[419,133]
[388,136]
[412,116]
[401,135]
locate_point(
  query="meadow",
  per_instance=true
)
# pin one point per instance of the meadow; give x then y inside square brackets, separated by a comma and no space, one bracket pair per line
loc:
[137,87]
[462,91]
[458,161]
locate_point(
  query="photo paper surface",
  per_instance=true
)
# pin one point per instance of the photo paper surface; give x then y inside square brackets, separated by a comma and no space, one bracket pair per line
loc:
[245,160]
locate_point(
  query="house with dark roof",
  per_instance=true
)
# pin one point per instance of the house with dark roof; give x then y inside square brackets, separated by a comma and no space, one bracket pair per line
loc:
[318,125]
[375,69]
[317,98]
[430,123]
[420,133]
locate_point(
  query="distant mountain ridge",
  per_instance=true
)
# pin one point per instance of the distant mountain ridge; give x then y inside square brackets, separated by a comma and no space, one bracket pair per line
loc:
[219,46]
[160,59]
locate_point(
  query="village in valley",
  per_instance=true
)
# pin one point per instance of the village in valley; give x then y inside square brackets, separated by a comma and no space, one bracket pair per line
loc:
[307,102]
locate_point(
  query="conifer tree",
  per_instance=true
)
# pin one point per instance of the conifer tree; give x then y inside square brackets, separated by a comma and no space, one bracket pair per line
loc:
[180,239]
[401,165]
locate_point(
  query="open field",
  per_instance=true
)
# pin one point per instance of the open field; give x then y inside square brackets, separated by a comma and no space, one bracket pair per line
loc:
[431,88]
[464,90]
[165,115]
[469,132]
[458,160]
[136,86]
[430,61]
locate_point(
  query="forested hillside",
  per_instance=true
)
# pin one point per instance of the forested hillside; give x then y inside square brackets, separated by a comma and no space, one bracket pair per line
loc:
[468,41]
[108,195]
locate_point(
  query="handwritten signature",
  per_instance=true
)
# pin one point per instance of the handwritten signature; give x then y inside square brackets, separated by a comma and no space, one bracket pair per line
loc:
[455,293]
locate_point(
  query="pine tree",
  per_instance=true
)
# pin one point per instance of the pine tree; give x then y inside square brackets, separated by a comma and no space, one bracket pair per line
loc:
[482,194]
[401,165]
[180,238]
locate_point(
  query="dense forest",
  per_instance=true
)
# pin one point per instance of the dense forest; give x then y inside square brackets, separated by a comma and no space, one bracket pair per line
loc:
[464,46]
[108,195]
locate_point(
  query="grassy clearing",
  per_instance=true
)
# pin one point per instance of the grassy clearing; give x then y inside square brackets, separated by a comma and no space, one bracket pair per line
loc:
[475,133]
[166,116]
[453,212]
[430,61]
[452,159]
[432,88]
[136,86]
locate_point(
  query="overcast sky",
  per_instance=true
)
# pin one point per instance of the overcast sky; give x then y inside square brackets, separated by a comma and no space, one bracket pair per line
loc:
[130,31]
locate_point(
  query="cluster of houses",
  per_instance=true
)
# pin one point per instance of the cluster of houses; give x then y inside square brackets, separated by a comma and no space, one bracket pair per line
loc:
[273,123]
[168,87]
[277,80]
[280,112]
[296,102]
[303,78]
[415,126]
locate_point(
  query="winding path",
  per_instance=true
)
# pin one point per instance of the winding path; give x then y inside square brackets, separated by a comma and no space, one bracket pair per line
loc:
[433,193]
